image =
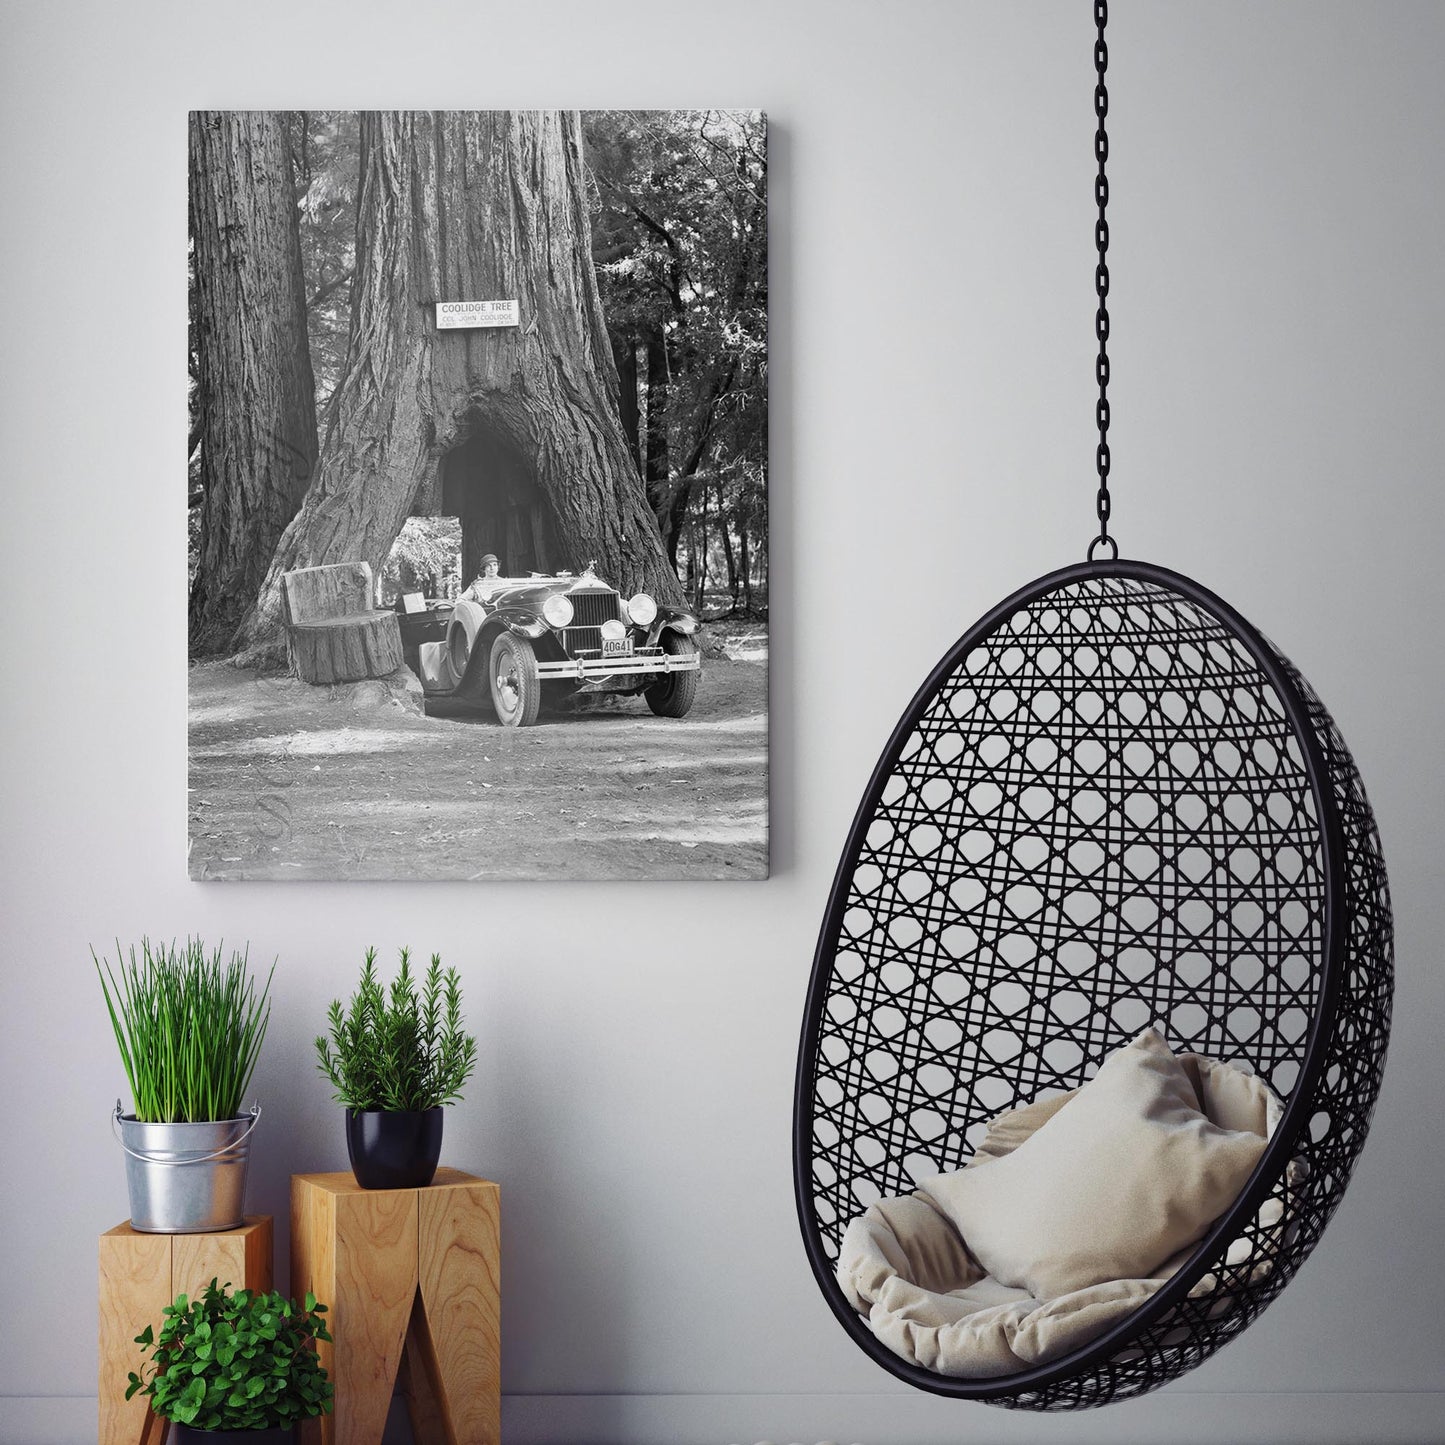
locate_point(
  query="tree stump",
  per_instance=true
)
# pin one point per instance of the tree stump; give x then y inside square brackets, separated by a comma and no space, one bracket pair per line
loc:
[332,632]
[346,649]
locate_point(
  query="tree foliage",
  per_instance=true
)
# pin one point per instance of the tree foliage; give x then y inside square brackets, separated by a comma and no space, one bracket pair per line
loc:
[680,245]
[327,147]
[428,551]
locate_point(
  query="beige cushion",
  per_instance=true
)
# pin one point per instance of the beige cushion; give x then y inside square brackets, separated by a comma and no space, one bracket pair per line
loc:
[908,1270]
[1121,1177]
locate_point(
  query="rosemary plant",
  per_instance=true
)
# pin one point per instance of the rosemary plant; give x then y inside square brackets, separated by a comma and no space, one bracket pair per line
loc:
[189,1027]
[394,1050]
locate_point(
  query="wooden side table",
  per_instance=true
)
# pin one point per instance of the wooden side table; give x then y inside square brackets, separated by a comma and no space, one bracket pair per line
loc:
[140,1274]
[412,1282]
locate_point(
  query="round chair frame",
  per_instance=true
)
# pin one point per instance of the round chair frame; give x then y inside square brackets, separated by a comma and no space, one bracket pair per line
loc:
[857,1135]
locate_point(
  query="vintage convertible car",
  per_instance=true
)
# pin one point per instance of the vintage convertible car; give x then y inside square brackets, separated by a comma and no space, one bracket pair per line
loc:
[576,632]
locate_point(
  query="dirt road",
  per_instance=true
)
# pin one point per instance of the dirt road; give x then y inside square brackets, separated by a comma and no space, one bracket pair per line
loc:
[293,781]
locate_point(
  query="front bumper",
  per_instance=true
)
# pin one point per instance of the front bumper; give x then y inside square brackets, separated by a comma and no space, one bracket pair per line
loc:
[593,668]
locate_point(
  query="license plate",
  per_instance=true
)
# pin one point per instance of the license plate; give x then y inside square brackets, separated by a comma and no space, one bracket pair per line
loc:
[622,647]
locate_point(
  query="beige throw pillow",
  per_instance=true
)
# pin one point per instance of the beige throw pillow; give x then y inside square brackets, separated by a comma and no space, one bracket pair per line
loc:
[1125,1174]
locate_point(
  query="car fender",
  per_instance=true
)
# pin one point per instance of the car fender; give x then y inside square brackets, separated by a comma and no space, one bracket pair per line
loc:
[434,665]
[468,620]
[671,619]
[471,634]
[519,621]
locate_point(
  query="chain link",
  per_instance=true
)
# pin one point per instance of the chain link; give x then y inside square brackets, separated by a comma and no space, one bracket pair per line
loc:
[1103,505]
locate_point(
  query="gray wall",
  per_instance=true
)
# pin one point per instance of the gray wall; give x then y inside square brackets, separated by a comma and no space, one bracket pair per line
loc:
[1278,308]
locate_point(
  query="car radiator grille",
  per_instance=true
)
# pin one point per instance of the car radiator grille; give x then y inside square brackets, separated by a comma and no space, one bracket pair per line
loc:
[589,611]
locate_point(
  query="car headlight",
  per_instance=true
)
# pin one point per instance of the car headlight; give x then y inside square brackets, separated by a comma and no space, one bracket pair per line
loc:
[557,610]
[642,610]
[613,630]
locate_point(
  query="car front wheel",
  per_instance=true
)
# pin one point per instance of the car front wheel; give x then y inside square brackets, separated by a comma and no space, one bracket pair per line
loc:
[516,688]
[674,695]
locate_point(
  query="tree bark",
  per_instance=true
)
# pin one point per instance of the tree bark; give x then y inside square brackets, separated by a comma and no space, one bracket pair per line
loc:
[700,580]
[727,541]
[659,380]
[681,494]
[257,396]
[624,356]
[474,206]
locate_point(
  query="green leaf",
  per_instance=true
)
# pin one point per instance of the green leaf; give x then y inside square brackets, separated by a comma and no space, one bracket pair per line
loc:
[241,1361]
[189,1028]
[395,1048]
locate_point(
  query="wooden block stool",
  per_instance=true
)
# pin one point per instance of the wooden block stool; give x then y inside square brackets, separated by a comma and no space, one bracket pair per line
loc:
[140,1274]
[411,1278]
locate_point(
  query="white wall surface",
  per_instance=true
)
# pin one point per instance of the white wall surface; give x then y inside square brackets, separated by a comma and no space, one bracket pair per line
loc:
[1279,308]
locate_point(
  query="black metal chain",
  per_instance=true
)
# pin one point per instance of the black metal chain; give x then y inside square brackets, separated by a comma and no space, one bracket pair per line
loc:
[1103,505]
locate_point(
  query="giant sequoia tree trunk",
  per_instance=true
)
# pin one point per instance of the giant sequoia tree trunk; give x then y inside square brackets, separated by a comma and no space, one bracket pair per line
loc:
[475,206]
[256,392]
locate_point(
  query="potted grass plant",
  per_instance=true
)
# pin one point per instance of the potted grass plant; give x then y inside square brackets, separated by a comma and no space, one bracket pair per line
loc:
[190,1025]
[235,1369]
[395,1057]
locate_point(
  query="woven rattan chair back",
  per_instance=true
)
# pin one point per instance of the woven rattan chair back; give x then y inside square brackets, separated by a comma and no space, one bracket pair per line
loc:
[1113,804]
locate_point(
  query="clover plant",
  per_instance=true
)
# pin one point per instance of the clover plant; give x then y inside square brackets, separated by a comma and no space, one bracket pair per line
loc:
[242,1361]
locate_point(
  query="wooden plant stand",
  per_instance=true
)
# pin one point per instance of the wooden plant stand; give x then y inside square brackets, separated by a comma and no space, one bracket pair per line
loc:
[140,1274]
[411,1278]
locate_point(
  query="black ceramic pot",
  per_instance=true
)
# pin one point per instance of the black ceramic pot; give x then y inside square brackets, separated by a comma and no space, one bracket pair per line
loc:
[393,1150]
[189,1435]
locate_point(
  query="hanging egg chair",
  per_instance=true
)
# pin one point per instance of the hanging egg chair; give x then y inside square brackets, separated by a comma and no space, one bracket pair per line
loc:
[1113,804]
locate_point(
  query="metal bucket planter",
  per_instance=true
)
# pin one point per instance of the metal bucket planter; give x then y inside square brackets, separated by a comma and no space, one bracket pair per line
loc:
[186,1178]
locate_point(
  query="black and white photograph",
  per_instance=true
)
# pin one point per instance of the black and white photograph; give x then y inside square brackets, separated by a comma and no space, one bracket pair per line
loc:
[478,495]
